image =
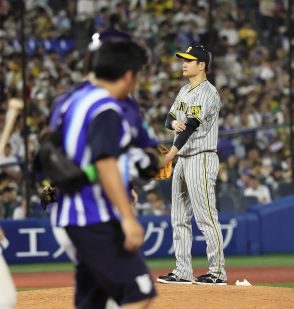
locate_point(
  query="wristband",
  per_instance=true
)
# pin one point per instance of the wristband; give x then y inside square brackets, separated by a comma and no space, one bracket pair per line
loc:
[91,172]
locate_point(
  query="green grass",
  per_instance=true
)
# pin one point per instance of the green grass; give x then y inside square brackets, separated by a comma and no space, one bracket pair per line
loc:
[281,285]
[45,267]
[238,261]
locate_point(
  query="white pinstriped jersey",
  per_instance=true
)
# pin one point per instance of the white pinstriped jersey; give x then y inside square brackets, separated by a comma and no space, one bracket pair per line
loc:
[202,102]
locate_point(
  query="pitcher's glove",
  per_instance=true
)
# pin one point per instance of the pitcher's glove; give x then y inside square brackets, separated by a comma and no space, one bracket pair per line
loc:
[47,196]
[166,171]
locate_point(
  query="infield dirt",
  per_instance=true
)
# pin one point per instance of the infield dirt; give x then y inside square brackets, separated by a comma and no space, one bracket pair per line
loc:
[177,297]
[56,292]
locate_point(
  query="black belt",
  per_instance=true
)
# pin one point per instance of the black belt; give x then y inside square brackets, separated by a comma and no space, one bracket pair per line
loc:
[195,154]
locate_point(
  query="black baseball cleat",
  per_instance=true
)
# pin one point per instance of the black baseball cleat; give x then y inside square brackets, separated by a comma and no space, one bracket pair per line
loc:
[172,279]
[209,279]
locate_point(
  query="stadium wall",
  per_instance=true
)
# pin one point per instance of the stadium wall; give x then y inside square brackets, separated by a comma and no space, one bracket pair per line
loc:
[262,229]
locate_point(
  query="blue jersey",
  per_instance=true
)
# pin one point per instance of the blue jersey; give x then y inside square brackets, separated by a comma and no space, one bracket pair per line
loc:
[131,111]
[79,109]
[140,136]
[95,125]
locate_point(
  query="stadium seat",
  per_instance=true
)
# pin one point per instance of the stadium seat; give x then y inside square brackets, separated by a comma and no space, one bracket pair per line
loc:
[225,203]
[31,46]
[247,201]
[62,46]
[15,44]
[285,188]
[48,45]
[141,196]
[164,187]
[272,191]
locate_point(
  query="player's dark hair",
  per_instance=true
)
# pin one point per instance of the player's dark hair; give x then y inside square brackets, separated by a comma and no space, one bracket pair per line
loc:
[207,65]
[114,58]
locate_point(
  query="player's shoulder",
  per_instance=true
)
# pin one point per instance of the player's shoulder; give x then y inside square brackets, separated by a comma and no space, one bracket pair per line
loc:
[210,88]
[212,92]
[97,100]
[129,104]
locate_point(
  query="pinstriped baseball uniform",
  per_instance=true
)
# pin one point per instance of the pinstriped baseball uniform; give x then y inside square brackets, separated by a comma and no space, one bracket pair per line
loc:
[194,180]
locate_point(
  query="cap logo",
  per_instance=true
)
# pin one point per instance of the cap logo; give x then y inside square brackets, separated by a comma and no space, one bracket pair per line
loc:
[188,50]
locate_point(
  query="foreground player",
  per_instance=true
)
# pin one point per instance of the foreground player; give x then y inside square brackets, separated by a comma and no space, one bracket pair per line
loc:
[106,237]
[140,136]
[194,117]
[7,288]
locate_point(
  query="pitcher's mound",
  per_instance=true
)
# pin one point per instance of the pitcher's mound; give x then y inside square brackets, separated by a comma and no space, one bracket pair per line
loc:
[177,297]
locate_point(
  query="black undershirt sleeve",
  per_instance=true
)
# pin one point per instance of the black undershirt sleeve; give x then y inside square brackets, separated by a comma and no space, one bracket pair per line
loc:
[191,125]
[103,135]
[168,122]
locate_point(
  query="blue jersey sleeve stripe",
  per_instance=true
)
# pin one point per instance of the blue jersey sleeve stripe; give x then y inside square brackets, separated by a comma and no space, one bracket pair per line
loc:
[59,103]
[77,119]
[55,116]
[82,139]
[67,120]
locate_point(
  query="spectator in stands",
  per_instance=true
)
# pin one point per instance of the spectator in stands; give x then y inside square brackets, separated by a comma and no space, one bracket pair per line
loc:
[135,3]
[274,178]
[85,9]
[101,20]
[230,31]
[155,204]
[9,203]
[251,70]
[159,131]
[244,181]
[233,173]
[248,34]
[4,180]
[20,210]
[261,192]
[253,155]
[10,163]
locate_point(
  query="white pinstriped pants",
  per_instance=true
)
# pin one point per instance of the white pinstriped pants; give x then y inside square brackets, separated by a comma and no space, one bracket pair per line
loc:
[193,193]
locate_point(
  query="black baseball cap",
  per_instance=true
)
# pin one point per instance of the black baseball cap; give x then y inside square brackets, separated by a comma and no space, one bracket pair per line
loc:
[197,52]
[114,34]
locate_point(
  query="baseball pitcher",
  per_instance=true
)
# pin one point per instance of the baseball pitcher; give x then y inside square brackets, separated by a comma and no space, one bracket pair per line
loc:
[194,118]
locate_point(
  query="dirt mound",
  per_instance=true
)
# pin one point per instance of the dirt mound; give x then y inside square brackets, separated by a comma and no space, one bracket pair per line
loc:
[261,274]
[177,297]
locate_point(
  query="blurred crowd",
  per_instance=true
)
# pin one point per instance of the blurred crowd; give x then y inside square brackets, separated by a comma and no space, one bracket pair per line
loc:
[249,42]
